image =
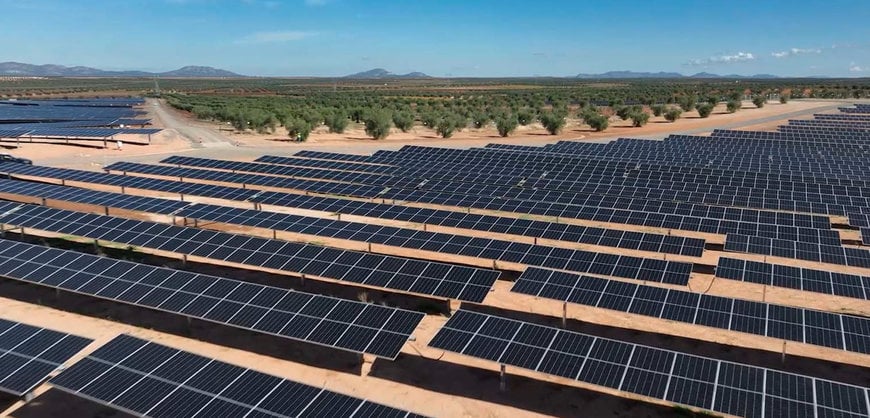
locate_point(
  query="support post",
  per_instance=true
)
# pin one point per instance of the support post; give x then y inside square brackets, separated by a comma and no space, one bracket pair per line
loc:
[564,314]
[43,201]
[536,240]
[370,247]
[106,210]
[184,259]
[338,216]
[274,234]
[424,227]
[123,190]
[182,196]
[502,385]
[783,351]
[195,222]
[302,280]
[96,245]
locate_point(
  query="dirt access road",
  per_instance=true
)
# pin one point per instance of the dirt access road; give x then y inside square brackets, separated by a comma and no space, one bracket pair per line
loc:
[199,137]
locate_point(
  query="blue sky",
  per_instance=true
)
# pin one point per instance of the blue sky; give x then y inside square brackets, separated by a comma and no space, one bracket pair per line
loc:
[478,38]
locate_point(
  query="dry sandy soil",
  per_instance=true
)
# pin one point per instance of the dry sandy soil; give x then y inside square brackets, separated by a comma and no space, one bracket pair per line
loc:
[422,379]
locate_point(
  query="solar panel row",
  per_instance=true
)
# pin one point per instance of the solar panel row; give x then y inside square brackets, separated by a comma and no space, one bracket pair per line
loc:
[489,249]
[819,281]
[149,379]
[337,323]
[437,279]
[92,197]
[28,355]
[343,189]
[829,254]
[595,236]
[824,329]
[707,383]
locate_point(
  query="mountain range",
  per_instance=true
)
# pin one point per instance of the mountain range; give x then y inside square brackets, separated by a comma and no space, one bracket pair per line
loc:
[381,73]
[192,71]
[635,74]
[51,70]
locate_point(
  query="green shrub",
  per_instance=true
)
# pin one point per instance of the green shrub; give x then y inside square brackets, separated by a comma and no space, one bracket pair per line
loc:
[553,122]
[403,120]
[759,101]
[673,114]
[506,124]
[639,119]
[705,109]
[733,106]
[378,123]
[336,121]
[297,128]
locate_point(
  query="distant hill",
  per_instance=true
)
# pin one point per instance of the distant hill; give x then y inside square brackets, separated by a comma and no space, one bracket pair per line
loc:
[52,70]
[630,74]
[199,71]
[635,74]
[380,73]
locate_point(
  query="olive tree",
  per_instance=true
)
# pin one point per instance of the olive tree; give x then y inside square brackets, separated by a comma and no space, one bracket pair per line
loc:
[733,106]
[506,124]
[705,109]
[673,114]
[378,123]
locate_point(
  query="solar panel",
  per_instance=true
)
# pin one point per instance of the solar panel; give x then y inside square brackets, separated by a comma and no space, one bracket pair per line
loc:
[149,379]
[819,281]
[775,321]
[707,383]
[829,254]
[28,355]
[575,260]
[337,323]
[92,197]
[859,220]
[414,276]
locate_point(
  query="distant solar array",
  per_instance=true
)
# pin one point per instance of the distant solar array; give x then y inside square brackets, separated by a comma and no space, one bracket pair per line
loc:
[149,379]
[715,385]
[28,355]
[71,118]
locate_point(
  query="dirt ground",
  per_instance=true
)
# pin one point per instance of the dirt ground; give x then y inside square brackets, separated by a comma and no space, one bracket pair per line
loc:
[422,379]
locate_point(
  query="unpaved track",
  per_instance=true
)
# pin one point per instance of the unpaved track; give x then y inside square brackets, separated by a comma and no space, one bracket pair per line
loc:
[198,137]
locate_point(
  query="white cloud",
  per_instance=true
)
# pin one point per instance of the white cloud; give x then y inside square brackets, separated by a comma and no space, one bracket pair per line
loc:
[724,59]
[275,37]
[855,68]
[796,51]
[317,2]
